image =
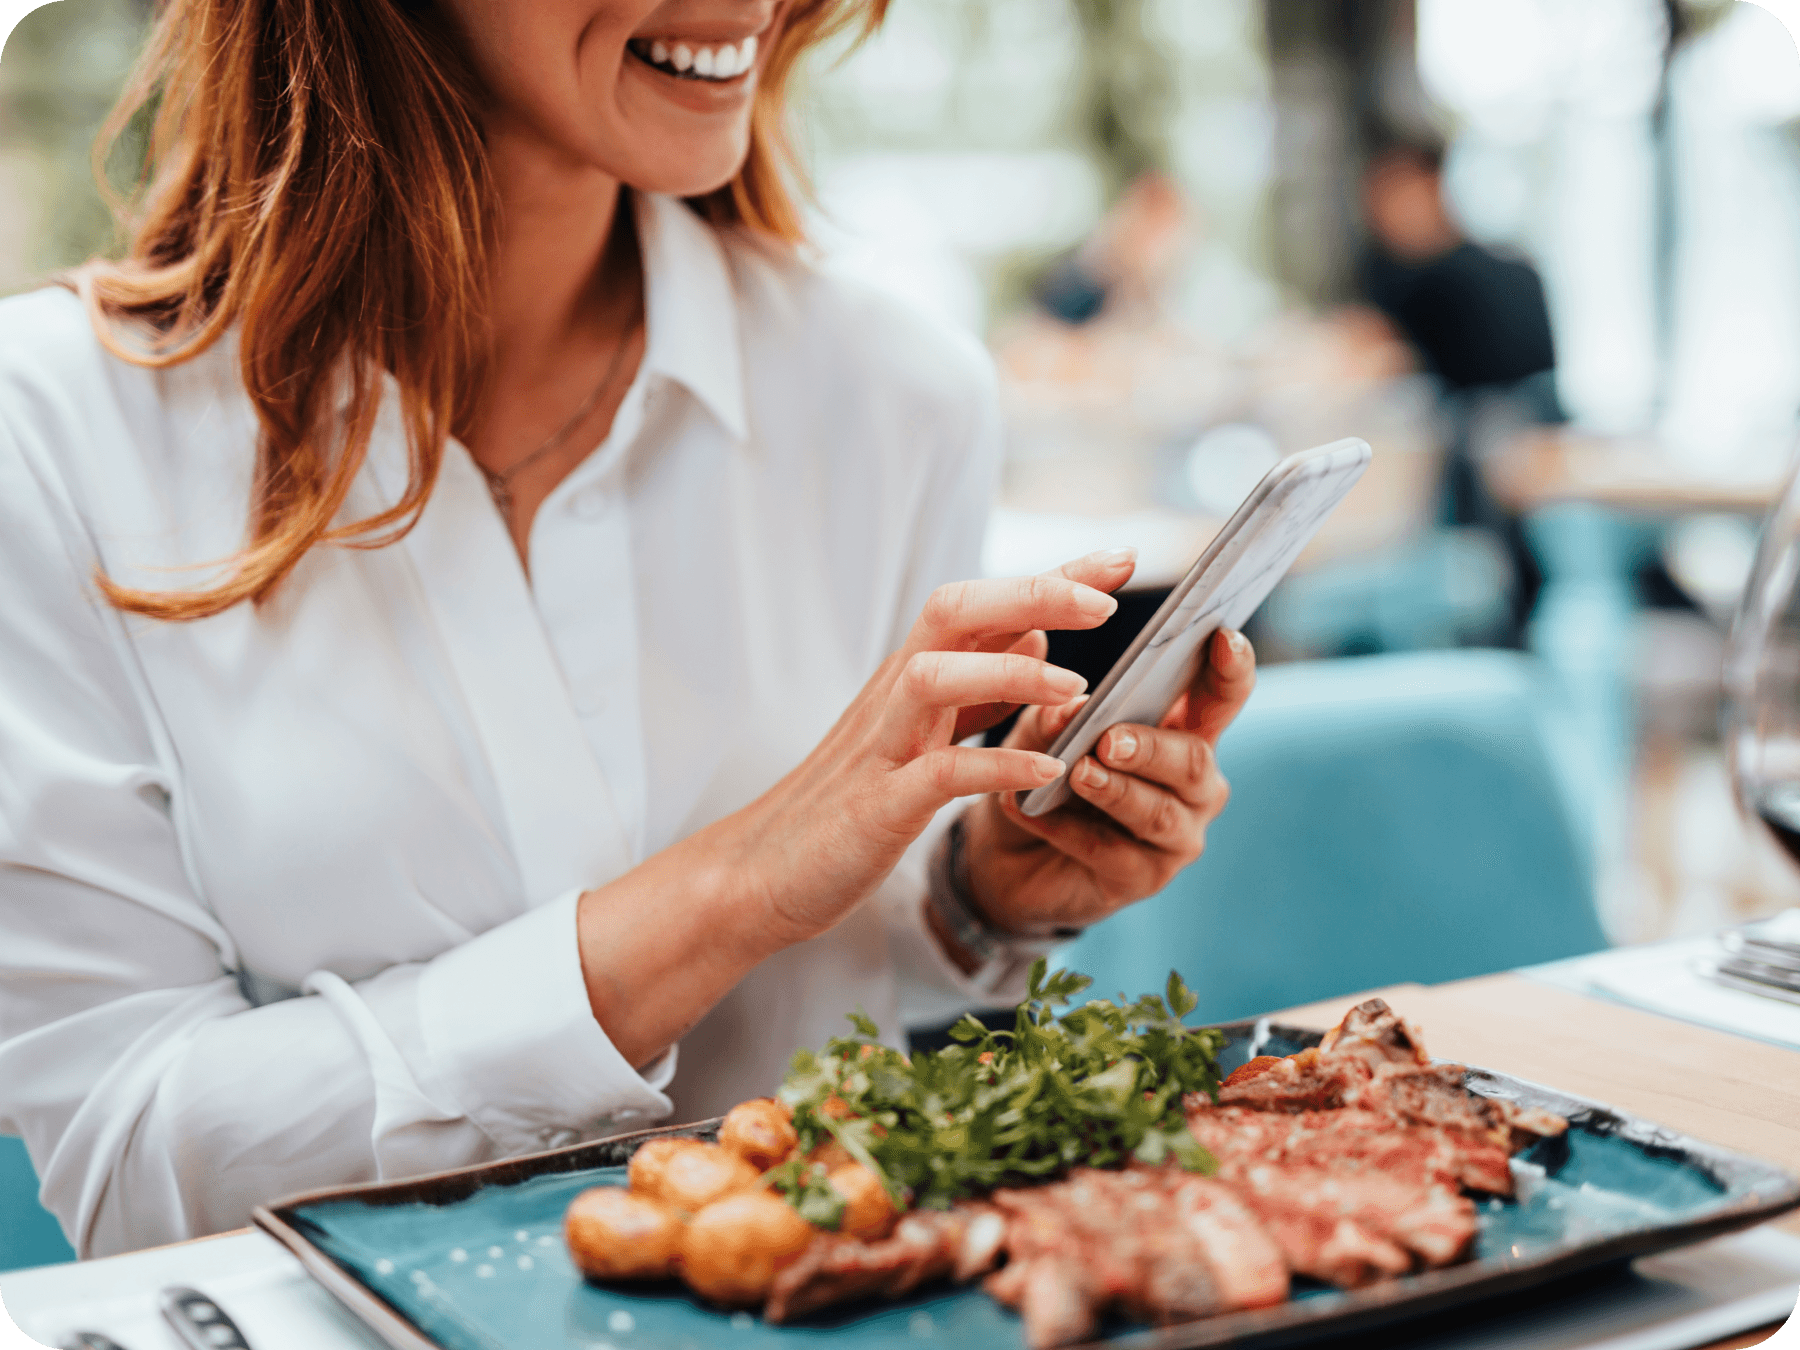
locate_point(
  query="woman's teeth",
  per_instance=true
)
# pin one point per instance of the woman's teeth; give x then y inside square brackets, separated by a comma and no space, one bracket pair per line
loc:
[725,61]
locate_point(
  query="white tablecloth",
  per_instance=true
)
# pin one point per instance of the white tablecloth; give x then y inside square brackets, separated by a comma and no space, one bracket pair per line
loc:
[273,1300]
[1661,978]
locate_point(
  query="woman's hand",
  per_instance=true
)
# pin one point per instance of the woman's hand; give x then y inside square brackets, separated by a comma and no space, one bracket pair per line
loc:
[827,834]
[795,861]
[1145,800]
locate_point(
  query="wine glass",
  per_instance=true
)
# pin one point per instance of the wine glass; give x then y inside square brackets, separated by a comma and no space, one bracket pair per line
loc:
[1762,679]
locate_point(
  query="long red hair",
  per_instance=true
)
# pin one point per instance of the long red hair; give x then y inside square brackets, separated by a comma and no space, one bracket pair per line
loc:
[317,182]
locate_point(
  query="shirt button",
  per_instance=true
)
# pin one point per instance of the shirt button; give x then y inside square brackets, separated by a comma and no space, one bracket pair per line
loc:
[589,503]
[558,1136]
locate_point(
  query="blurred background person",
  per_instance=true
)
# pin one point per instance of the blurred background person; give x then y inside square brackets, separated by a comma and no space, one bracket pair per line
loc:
[1480,325]
[1477,319]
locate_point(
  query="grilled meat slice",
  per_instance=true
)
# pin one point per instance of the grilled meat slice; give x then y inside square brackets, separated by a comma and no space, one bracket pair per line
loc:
[981,1245]
[1374,1064]
[1055,1283]
[1395,1184]
[1528,1124]
[1430,1220]
[1158,1243]
[1433,1094]
[1307,1081]
[1418,1155]
[1352,1228]
[1244,1258]
[836,1269]
[1315,1241]
[1353,1140]
[1406,1084]
[926,1245]
[1489,1130]
[1054,1295]
[1097,1221]
[1375,1034]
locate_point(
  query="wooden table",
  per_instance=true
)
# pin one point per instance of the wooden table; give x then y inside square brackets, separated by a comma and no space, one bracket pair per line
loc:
[1737,1093]
[1556,464]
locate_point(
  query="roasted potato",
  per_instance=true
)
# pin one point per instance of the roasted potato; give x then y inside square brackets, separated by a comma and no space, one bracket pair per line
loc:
[732,1249]
[615,1235]
[830,1154]
[692,1178]
[645,1172]
[868,1208]
[760,1131]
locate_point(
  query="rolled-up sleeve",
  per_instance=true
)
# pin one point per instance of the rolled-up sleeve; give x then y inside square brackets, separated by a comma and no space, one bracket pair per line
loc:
[501,1029]
[158,1098]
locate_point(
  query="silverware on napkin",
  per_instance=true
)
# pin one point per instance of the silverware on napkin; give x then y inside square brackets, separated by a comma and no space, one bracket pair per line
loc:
[1757,960]
[198,1321]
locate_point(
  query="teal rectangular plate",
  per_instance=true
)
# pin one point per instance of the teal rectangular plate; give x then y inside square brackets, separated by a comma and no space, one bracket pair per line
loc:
[474,1259]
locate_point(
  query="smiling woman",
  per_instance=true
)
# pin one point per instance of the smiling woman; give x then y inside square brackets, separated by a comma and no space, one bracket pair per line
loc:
[400,117]
[490,621]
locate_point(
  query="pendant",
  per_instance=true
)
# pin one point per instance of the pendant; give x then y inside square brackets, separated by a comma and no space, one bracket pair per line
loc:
[501,492]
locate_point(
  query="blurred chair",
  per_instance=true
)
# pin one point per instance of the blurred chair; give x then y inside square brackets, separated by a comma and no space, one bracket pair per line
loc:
[29,1235]
[1585,630]
[1449,588]
[1393,818]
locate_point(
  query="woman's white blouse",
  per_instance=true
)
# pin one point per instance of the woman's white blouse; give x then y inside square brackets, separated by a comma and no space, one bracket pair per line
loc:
[287,896]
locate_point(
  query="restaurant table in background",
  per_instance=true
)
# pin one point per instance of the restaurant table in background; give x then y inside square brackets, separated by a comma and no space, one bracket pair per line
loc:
[1544,465]
[1598,513]
[1671,978]
[1136,430]
[1728,1090]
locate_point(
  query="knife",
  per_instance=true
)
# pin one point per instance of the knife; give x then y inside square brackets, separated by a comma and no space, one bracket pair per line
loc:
[1733,975]
[198,1321]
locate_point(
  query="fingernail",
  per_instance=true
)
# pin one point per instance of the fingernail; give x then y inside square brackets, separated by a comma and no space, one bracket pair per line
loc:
[1092,775]
[1113,557]
[1048,766]
[1124,745]
[1098,604]
[1065,682]
[1235,640]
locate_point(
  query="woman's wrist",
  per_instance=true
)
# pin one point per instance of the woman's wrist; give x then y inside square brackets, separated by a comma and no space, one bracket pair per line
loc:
[985,953]
[663,943]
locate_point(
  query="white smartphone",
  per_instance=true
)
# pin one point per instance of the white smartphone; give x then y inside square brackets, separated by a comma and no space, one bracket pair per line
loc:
[1233,576]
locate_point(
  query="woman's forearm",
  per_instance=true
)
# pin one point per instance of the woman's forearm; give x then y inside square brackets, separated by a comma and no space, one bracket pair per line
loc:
[665,942]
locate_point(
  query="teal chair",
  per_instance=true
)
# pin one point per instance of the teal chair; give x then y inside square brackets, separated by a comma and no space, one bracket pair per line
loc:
[29,1235]
[1392,819]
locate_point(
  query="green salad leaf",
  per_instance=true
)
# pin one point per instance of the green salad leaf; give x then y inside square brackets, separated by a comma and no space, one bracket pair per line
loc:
[804,1186]
[1098,1085]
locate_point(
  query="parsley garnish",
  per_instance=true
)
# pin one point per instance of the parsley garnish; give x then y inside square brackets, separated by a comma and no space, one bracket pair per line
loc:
[803,1185]
[1096,1086]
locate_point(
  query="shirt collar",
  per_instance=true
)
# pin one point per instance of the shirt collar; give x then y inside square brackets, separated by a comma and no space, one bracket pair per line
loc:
[690,309]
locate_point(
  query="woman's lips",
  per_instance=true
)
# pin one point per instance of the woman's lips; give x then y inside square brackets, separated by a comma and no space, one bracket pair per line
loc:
[716,62]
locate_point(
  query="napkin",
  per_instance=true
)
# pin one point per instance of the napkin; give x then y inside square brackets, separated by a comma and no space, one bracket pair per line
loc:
[1667,978]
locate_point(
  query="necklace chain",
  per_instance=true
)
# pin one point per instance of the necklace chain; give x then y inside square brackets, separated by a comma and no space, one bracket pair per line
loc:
[499,481]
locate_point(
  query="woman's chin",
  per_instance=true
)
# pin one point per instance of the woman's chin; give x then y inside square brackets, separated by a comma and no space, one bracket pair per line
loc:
[687,137]
[680,168]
